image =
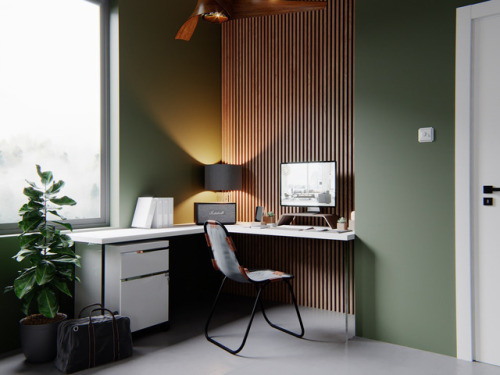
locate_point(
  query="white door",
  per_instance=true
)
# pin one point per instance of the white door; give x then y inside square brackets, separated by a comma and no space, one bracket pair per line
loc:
[477,163]
[485,170]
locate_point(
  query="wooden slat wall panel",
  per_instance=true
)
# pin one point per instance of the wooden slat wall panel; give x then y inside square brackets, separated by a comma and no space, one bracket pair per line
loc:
[287,95]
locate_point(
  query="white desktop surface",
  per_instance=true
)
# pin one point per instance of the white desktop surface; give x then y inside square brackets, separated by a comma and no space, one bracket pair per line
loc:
[288,231]
[117,235]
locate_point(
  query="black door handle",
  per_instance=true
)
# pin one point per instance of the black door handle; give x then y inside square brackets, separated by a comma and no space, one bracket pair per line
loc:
[488,189]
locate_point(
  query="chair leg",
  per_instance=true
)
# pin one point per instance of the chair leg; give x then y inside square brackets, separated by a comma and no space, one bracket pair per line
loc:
[299,335]
[209,338]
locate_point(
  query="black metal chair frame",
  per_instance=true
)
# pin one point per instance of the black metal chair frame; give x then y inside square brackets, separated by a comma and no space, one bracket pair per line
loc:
[259,286]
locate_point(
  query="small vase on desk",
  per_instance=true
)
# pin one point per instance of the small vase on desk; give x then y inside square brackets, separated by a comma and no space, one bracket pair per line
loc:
[341,224]
[269,219]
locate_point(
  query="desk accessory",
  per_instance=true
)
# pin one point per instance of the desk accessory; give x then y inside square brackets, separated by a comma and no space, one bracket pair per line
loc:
[351,221]
[153,213]
[270,219]
[288,218]
[224,213]
[164,213]
[258,224]
[259,211]
[341,223]
[144,211]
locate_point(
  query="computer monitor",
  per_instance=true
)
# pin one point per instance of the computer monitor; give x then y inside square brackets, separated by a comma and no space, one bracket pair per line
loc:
[308,184]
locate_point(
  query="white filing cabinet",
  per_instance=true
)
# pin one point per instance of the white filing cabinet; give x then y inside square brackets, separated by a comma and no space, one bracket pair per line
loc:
[136,282]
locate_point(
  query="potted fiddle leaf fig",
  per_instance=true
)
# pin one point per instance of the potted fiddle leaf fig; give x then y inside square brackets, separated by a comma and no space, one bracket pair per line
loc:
[49,266]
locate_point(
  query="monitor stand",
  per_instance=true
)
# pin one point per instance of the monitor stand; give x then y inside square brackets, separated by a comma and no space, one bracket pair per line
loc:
[313,210]
[331,219]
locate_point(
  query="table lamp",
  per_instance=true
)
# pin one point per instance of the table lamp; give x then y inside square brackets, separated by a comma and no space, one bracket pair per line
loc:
[223,177]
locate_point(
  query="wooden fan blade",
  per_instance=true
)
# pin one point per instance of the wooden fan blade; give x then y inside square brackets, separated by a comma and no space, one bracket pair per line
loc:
[187,29]
[255,8]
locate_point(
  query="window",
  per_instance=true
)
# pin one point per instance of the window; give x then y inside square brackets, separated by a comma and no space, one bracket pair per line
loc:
[54,104]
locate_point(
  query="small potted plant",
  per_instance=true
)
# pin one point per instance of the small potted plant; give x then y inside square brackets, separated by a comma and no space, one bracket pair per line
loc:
[341,223]
[49,266]
[270,219]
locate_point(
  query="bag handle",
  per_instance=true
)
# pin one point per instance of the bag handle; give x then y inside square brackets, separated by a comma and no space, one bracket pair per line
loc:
[86,307]
[92,336]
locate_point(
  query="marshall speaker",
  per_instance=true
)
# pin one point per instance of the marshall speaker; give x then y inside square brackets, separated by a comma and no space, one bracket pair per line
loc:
[224,213]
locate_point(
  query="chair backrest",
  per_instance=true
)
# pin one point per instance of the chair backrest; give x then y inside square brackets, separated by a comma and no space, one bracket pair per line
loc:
[223,251]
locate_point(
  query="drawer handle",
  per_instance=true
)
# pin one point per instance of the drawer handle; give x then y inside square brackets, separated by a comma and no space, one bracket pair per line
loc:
[140,252]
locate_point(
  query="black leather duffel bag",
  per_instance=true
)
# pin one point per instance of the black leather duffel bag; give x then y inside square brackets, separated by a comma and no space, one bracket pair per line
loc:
[88,342]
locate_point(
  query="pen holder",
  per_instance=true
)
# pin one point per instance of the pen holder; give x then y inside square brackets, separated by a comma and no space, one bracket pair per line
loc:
[342,224]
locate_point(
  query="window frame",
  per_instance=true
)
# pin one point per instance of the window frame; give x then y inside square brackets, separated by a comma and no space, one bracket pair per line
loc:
[104,219]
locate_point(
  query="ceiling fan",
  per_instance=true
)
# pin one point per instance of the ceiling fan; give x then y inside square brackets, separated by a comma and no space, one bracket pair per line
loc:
[219,11]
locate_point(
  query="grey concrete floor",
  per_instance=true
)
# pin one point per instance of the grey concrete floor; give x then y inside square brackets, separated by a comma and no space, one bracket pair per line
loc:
[183,349]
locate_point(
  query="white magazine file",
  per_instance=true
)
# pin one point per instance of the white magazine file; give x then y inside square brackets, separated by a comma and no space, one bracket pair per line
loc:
[153,213]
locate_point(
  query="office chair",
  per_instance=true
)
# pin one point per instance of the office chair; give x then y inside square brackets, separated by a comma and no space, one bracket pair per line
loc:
[224,260]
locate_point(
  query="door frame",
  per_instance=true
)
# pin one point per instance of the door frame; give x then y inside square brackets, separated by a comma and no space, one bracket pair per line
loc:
[463,245]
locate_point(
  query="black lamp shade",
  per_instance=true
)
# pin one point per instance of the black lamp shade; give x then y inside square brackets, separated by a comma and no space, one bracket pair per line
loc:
[221,177]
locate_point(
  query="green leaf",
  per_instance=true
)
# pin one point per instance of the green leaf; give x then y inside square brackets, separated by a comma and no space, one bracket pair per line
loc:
[62,286]
[66,240]
[54,212]
[25,307]
[26,241]
[31,215]
[67,273]
[65,225]
[30,224]
[48,231]
[67,260]
[30,206]
[8,289]
[45,272]
[33,193]
[46,177]
[62,251]
[63,201]
[56,187]
[24,283]
[32,184]
[35,259]
[23,254]
[47,303]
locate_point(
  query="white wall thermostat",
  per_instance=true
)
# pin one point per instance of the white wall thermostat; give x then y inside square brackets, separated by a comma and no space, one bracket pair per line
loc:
[426,135]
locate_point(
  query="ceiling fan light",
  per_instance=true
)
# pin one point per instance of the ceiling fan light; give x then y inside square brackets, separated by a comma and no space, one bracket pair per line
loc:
[215,17]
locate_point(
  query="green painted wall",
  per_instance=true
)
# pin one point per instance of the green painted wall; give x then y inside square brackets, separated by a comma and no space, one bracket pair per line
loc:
[170,122]
[170,105]
[405,261]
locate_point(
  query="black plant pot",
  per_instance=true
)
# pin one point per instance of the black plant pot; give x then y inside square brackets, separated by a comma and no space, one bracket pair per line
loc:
[39,342]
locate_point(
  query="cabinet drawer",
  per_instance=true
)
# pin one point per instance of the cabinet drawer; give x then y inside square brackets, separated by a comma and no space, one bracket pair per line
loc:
[138,263]
[145,301]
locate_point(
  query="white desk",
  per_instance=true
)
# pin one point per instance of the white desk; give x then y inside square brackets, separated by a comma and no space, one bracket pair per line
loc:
[117,235]
[114,236]
[331,234]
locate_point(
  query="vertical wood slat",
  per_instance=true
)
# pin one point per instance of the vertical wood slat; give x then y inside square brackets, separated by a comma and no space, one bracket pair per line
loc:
[287,95]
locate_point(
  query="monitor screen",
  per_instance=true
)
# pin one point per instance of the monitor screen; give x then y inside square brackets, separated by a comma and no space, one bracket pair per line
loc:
[308,184]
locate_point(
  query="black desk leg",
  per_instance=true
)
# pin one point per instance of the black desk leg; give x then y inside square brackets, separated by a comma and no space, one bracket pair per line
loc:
[347,297]
[103,275]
